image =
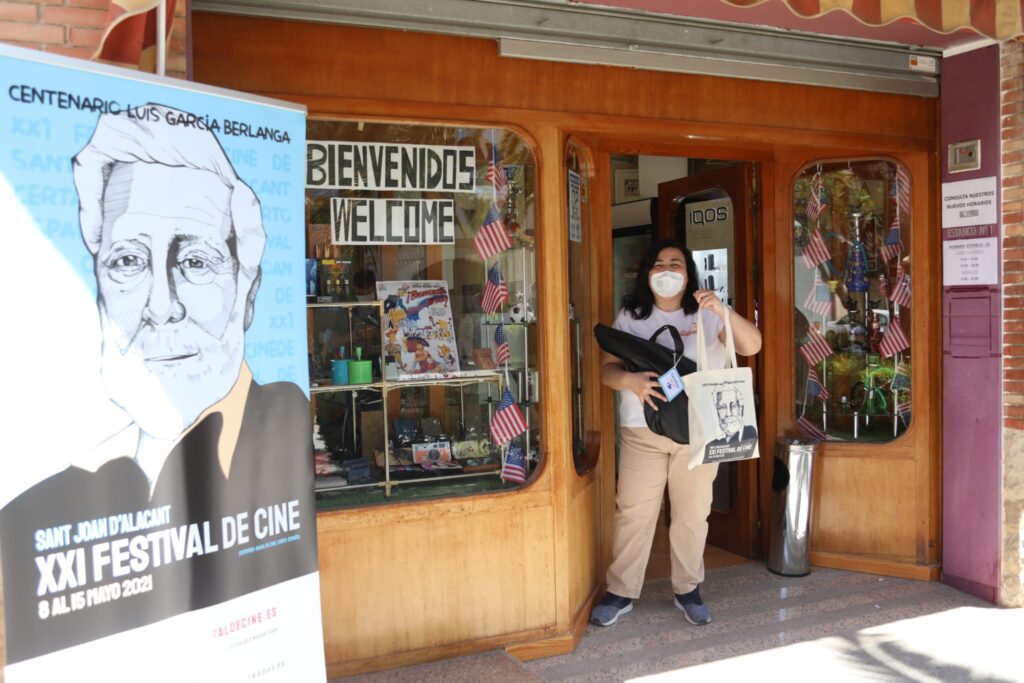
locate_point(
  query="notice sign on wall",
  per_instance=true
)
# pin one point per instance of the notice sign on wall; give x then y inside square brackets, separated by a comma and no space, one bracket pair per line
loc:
[575,226]
[970,262]
[357,168]
[969,202]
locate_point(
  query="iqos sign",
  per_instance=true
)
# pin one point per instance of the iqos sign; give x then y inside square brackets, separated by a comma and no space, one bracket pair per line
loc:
[707,214]
[709,224]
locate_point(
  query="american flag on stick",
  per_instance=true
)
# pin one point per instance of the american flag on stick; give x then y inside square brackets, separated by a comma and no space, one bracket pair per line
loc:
[491,239]
[814,386]
[903,409]
[810,430]
[815,349]
[900,378]
[901,290]
[815,251]
[507,422]
[902,189]
[817,201]
[495,292]
[496,171]
[514,466]
[501,344]
[819,299]
[892,246]
[894,340]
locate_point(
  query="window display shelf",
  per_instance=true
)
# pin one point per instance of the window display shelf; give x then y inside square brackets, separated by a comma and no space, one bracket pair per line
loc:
[371,473]
[461,380]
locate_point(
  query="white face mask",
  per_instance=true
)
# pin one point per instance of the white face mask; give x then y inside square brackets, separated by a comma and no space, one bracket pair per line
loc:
[667,283]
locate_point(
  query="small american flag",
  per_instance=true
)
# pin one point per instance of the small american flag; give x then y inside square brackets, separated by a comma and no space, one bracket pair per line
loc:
[496,171]
[817,201]
[514,466]
[507,422]
[809,429]
[815,349]
[900,379]
[495,293]
[903,409]
[819,299]
[892,246]
[815,252]
[894,340]
[815,387]
[501,344]
[901,290]
[902,189]
[491,239]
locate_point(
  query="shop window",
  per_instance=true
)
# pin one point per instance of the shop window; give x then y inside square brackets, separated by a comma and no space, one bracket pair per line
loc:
[421,311]
[852,283]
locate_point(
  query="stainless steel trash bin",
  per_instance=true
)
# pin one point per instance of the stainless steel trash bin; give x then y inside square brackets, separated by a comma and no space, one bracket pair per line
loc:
[788,542]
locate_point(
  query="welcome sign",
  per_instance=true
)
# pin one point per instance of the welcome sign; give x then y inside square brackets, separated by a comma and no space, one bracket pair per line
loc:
[156,499]
[360,167]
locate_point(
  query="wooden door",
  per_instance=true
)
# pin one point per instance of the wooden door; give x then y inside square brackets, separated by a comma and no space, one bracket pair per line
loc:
[712,213]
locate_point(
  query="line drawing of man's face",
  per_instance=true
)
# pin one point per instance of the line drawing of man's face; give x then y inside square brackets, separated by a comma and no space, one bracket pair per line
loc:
[172,304]
[730,411]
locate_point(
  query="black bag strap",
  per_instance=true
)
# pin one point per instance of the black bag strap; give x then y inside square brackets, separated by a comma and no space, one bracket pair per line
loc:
[676,339]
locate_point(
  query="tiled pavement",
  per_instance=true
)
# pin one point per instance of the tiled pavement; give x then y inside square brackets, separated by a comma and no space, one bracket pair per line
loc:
[829,626]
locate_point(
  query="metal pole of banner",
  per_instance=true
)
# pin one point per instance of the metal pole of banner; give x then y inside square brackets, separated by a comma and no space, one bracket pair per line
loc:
[161,37]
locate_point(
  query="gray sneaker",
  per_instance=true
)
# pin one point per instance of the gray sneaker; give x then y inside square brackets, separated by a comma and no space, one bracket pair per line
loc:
[696,612]
[611,607]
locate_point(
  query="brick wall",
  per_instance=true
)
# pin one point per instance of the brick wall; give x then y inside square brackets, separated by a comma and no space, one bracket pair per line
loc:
[1011,590]
[74,28]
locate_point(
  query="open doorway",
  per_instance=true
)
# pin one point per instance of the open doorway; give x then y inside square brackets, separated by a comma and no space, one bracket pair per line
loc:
[708,205]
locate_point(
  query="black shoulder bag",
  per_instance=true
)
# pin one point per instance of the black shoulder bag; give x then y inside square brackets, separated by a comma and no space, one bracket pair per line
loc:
[640,355]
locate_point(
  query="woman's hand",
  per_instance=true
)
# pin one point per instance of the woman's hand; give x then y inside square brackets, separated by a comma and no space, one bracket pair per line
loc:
[746,337]
[706,298]
[646,387]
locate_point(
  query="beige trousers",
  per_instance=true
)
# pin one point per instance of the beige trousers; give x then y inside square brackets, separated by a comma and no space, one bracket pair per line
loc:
[646,462]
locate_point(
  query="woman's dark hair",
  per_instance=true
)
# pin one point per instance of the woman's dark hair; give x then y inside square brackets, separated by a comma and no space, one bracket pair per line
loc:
[641,302]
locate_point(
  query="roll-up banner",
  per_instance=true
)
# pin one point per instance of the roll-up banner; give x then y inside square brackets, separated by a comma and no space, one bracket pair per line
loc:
[156,487]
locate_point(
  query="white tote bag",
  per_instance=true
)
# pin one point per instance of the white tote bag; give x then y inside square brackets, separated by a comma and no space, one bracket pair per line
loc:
[723,426]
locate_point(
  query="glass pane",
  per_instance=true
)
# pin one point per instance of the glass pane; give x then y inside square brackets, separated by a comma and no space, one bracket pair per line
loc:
[851,236]
[578,176]
[421,310]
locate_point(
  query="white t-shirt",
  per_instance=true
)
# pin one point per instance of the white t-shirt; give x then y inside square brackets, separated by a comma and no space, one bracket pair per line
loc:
[631,412]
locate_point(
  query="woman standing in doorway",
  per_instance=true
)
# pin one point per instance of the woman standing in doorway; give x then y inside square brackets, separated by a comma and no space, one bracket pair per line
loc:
[665,294]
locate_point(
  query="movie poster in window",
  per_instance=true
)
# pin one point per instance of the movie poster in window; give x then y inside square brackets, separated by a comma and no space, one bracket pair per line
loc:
[419,336]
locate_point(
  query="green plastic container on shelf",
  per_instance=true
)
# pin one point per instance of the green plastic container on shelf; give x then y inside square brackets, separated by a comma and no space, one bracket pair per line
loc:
[360,371]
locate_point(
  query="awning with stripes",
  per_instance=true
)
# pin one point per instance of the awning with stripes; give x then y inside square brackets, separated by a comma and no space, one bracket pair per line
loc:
[997,19]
